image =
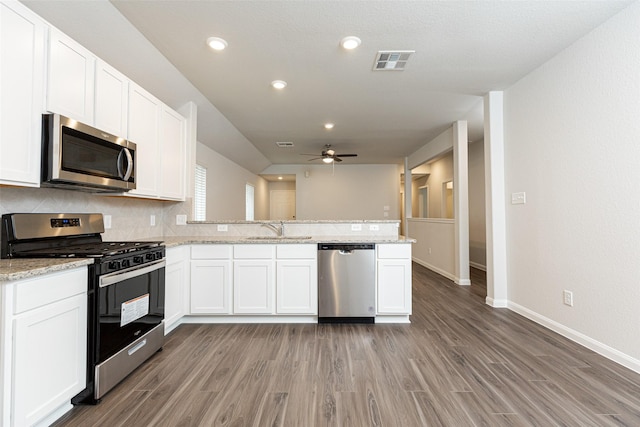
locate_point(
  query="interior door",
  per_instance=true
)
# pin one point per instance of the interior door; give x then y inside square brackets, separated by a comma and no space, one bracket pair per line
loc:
[282,204]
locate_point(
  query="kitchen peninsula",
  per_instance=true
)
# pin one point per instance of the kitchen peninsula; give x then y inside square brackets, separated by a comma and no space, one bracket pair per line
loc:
[249,273]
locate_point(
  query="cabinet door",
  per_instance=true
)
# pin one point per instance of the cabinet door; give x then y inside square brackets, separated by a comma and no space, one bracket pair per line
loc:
[50,349]
[71,78]
[211,287]
[174,288]
[253,290]
[22,58]
[172,157]
[144,120]
[112,99]
[394,286]
[297,286]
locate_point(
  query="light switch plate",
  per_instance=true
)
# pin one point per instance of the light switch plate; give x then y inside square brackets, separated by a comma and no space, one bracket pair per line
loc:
[356,227]
[152,220]
[374,227]
[518,198]
[181,220]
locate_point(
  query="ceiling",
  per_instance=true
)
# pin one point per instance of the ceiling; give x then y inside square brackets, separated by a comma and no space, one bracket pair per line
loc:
[463,49]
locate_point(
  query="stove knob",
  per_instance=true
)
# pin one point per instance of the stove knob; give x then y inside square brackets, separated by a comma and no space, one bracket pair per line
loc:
[114,265]
[138,259]
[150,256]
[126,263]
[158,255]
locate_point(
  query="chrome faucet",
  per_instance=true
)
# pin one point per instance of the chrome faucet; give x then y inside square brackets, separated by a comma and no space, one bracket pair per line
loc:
[279,230]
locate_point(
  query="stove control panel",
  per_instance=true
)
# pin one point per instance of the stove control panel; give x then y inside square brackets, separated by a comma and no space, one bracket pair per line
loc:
[123,261]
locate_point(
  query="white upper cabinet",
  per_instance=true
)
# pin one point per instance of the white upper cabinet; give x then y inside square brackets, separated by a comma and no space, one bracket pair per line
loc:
[111,100]
[22,59]
[172,155]
[144,127]
[71,78]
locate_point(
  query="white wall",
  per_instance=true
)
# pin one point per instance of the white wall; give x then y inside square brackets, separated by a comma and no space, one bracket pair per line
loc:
[477,225]
[435,244]
[226,183]
[344,192]
[571,143]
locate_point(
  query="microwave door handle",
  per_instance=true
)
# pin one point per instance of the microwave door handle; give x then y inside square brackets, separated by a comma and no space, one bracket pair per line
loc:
[127,174]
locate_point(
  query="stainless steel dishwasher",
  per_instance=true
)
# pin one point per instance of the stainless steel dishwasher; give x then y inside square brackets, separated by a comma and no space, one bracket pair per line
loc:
[346,283]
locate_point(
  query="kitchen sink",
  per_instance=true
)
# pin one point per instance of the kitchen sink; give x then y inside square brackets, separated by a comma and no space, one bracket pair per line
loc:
[279,238]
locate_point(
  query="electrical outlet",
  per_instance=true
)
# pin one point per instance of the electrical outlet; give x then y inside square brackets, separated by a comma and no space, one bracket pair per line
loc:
[152,220]
[567,297]
[374,227]
[223,227]
[181,220]
[356,227]
[107,221]
[518,198]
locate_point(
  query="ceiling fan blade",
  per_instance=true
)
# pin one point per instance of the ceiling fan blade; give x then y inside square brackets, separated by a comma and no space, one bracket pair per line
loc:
[337,159]
[346,155]
[316,158]
[307,154]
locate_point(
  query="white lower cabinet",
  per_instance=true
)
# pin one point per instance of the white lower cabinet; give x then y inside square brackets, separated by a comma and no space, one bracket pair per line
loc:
[253,279]
[210,291]
[44,344]
[175,286]
[394,279]
[297,279]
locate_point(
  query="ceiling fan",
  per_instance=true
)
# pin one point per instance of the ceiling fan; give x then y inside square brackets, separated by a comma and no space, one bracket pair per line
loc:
[329,155]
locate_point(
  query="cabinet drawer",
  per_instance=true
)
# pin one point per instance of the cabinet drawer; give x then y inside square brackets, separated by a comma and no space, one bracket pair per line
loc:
[211,252]
[254,251]
[303,251]
[39,291]
[396,250]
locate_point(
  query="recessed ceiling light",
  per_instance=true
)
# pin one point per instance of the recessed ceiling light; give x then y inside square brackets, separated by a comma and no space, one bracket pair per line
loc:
[280,178]
[350,42]
[216,43]
[279,84]
[329,125]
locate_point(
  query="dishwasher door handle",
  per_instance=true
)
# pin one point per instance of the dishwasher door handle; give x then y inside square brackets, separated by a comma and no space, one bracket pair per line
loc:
[345,252]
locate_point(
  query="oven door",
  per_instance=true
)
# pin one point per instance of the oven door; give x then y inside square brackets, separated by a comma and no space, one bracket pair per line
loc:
[131,303]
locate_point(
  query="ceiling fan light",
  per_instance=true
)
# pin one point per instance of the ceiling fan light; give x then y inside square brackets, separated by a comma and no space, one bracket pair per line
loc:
[279,84]
[216,43]
[327,159]
[350,42]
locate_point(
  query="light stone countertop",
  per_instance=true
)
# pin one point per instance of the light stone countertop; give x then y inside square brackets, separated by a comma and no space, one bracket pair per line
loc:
[171,242]
[298,221]
[18,269]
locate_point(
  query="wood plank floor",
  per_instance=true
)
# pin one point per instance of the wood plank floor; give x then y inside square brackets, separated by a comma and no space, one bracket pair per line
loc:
[459,363]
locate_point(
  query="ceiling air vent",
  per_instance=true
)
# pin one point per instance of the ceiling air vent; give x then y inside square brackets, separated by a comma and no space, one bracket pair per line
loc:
[284,144]
[392,60]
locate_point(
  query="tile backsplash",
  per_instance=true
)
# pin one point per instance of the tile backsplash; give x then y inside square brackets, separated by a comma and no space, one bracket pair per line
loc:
[130,217]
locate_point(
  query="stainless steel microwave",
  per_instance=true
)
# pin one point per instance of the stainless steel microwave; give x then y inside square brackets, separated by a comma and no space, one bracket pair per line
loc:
[80,157]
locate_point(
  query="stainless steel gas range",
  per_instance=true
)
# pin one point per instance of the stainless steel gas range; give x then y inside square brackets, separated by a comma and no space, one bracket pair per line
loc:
[125,321]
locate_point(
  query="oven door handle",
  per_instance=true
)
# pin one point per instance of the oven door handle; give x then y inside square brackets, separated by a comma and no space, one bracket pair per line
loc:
[119,276]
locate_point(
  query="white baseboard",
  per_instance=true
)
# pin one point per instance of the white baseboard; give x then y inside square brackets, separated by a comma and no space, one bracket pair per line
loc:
[436,269]
[600,348]
[496,303]
[478,266]
[463,282]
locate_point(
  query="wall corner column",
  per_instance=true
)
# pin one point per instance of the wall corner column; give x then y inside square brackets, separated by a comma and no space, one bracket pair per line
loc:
[495,199]
[461,201]
[407,198]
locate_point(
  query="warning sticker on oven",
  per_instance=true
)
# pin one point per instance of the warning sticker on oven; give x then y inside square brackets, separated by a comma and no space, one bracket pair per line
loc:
[134,309]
